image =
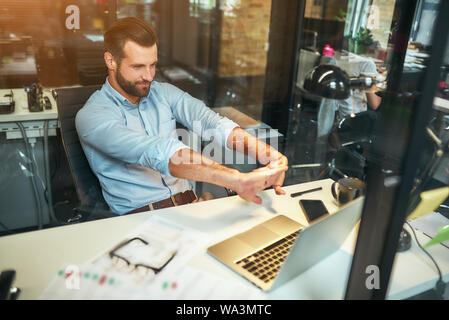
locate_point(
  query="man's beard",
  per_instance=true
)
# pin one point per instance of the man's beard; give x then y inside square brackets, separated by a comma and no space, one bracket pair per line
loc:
[131,88]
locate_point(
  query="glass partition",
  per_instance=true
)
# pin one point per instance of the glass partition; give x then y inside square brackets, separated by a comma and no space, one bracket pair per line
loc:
[353,35]
[391,135]
[214,50]
[54,43]
[248,60]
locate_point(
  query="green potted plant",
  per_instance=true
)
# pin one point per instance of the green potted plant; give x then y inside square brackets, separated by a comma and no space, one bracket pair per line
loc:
[362,41]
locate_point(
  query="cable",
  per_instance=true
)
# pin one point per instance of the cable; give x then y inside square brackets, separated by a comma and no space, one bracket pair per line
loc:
[49,196]
[32,177]
[425,251]
[440,285]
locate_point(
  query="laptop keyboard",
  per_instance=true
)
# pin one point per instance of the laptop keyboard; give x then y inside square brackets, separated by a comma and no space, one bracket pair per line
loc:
[266,262]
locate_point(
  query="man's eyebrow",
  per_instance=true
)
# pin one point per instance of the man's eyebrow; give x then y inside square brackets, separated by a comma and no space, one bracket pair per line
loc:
[142,64]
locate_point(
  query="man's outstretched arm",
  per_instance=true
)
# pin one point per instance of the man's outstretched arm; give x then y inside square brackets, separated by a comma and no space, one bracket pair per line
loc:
[188,164]
[243,142]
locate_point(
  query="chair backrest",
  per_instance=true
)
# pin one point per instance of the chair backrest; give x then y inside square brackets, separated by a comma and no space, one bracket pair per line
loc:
[69,101]
[357,129]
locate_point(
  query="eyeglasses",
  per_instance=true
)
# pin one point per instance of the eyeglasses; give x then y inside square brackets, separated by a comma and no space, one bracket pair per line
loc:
[142,256]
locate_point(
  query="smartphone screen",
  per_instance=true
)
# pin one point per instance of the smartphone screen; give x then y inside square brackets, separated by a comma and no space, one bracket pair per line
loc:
[313,209]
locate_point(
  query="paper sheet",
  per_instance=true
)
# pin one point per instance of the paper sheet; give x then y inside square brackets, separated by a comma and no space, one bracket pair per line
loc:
[101,278]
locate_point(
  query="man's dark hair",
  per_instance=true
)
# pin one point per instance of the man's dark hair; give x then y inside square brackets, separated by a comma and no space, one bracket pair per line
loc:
[126,29]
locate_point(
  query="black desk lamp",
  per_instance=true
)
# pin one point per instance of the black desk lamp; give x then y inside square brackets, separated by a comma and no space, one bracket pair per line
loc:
[331,82]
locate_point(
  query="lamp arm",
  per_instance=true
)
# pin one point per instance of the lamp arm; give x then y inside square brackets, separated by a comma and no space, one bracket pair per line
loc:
[362,82]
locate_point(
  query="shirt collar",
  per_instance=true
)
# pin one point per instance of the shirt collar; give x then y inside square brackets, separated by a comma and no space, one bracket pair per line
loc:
[118,97]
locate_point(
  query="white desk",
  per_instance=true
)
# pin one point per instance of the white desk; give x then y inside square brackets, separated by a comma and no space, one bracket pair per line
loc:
[33,122]
[37,256]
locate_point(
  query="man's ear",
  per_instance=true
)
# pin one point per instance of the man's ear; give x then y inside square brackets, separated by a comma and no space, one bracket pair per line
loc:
[111,63]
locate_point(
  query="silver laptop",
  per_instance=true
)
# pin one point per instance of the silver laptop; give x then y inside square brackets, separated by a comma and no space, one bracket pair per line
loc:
[279,249]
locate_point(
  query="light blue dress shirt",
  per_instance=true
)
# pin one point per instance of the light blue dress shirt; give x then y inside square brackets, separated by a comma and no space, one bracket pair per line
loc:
[128,146]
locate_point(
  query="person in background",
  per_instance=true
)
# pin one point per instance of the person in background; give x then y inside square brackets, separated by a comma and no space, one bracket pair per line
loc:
[358,101]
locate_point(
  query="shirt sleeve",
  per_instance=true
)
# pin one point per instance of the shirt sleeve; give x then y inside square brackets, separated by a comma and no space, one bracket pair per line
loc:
[197,117]
[368,67]
[104,130]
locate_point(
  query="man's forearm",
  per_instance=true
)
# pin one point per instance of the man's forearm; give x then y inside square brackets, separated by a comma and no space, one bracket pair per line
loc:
[190,165]
[243,142]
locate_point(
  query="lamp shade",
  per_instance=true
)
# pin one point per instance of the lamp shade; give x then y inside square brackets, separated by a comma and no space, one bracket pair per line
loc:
[328,81]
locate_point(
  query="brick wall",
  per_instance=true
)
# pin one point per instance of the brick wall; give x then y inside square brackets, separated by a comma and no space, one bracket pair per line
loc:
[381,20]
[244,37]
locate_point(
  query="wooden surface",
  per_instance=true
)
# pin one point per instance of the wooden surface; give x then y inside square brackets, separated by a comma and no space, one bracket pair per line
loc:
[238,117]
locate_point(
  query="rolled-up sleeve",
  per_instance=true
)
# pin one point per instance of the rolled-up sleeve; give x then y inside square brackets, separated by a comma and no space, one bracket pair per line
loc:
[105,131]
[196,116]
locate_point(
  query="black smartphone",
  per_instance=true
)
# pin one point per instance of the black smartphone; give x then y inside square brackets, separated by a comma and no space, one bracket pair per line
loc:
[313,209]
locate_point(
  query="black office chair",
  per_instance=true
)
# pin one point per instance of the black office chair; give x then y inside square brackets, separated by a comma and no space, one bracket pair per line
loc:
[348,144]
[91,202]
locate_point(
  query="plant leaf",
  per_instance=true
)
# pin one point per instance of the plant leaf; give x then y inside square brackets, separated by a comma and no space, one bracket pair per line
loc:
[442,235]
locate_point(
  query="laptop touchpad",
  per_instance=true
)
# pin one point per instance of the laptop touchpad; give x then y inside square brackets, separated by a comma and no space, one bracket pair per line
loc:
[258,237]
